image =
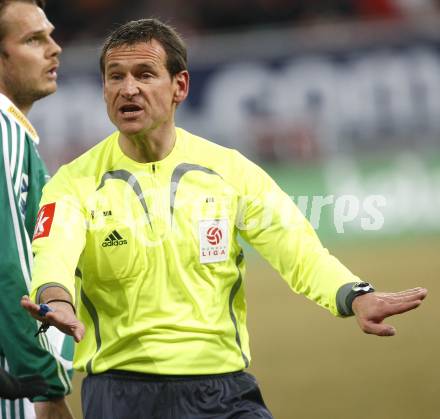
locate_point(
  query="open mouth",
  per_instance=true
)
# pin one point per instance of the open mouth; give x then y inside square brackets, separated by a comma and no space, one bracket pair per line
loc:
[53,72]
[130,110]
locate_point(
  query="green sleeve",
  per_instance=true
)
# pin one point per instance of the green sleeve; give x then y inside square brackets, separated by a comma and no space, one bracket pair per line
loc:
[24,353]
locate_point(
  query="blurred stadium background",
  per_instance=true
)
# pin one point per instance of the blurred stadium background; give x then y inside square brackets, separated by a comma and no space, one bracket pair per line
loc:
[336,98]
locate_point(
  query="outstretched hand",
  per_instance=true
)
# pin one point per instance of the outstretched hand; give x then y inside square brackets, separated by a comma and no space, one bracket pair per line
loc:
[62,317]
[372,308]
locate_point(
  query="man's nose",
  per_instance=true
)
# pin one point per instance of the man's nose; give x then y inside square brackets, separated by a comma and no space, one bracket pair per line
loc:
[129,87]
[55,49]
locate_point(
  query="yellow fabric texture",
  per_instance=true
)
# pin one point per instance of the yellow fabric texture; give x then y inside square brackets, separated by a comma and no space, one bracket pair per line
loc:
[131,234]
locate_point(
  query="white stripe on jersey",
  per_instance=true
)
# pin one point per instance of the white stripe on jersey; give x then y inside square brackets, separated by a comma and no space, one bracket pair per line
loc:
[52,343]
[12,204]
[14,144]
[21,140]
[20,160]
[56,341]
[8,409]
[29,410]
[53,349]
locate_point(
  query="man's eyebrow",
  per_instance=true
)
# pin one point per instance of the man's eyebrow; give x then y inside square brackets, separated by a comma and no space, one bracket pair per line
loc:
[140,66]
[112,65]
[145,65]
[38,32]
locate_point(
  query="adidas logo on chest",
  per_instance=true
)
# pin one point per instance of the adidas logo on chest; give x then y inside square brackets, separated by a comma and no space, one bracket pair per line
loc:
[114,239]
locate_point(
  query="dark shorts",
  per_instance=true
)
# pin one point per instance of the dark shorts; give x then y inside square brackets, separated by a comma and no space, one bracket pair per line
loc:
[126,395]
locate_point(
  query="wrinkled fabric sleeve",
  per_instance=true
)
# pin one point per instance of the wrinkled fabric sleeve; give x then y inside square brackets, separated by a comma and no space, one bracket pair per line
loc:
[271,223]
[57,253]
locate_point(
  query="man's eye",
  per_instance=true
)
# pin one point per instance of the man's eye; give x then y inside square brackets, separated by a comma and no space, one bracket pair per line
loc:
[33,40]
[115,76]
[146,75]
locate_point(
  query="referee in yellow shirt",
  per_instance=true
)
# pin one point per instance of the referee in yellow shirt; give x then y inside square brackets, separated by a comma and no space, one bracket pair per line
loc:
[147,222]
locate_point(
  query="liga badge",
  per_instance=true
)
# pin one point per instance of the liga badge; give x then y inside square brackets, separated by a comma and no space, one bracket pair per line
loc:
[213,236]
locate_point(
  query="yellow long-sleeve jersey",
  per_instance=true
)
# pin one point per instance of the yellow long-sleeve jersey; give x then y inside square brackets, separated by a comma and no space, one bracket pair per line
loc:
[154,250]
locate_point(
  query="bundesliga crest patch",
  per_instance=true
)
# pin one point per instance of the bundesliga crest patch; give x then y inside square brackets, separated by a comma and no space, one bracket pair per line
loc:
[44,221]
[213,235]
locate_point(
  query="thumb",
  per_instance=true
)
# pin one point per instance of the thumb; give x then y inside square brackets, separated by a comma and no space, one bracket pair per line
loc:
[67,323]
[379,329]
[78,331]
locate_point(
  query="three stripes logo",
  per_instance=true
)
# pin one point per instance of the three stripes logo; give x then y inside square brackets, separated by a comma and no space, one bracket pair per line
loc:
[114,239]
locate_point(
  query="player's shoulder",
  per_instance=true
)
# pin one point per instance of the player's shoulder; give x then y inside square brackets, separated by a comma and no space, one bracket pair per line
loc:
[206,150]
[5,115]
[7,122]
[232,166]
[91,161]
[13,121]
[82,173]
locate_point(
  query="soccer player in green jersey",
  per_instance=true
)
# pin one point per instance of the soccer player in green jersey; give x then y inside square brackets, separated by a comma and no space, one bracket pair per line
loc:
[28,72]
[147,222]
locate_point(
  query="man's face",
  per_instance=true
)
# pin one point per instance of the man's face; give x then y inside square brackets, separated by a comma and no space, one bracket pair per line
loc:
[141,95]
[29,55]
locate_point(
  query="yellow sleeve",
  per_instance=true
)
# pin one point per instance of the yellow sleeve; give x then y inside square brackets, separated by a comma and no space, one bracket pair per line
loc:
[59,237]
[271,223]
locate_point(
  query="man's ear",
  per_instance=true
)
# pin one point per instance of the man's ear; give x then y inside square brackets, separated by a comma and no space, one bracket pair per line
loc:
[182,86]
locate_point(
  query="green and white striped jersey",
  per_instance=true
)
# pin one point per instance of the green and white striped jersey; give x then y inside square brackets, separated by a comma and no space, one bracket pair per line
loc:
[22,177]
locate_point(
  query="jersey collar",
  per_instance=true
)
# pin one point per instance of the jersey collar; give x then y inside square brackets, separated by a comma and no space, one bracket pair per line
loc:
[11,110]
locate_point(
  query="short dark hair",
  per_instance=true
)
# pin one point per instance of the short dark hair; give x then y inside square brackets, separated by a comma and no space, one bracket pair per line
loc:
[5,3]
[145,30]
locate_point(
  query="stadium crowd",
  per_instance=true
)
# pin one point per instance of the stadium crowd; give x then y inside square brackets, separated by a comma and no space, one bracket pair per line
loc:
[77,20]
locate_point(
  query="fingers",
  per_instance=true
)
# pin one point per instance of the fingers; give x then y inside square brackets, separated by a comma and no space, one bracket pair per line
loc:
[402,307]
[63,319]
[404,299]
[26,303]
[68,323]
[372,309]
[407,292]
[31,307]
[378,329]
[397,303]
[414,293]
[34,309]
